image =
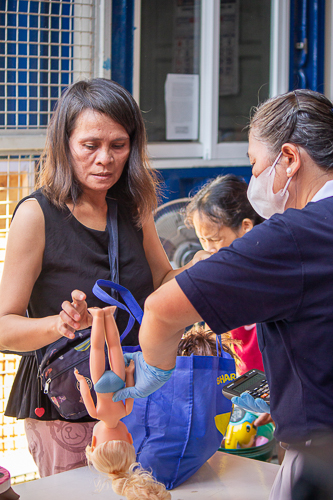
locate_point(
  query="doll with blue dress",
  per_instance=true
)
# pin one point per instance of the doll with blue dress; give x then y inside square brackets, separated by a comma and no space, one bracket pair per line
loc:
[112,451]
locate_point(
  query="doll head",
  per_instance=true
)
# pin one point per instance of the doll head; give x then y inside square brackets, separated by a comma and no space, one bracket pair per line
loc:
[111,456]
[116,459]
[202,342]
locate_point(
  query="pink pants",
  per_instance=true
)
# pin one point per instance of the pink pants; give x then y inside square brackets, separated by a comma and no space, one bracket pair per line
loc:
[57,445]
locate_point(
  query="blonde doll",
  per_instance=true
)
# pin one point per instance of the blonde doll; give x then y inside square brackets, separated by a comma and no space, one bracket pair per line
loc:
[112,451]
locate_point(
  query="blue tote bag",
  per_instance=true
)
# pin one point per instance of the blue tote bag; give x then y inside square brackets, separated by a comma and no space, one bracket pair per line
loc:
[180,426]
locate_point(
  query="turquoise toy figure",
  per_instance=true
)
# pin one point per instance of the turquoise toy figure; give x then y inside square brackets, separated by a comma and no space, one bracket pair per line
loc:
[241,431]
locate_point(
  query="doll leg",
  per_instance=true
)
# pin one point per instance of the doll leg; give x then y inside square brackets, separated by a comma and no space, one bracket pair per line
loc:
[97,341]
[116,357]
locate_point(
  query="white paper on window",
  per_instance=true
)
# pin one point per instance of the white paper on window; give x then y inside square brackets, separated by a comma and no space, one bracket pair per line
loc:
[182,107]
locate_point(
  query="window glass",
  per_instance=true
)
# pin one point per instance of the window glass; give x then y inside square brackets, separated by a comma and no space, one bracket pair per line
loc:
[244,63]
[40,53]
[30,47]
[170,47]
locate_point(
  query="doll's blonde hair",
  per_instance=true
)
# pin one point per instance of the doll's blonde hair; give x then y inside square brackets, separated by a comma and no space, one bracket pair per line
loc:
[116,459]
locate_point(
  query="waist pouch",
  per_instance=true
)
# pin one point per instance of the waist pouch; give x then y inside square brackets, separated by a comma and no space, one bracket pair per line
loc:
[56,374]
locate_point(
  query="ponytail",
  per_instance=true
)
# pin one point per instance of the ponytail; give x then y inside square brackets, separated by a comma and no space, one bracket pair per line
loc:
[116,460]
[139,485]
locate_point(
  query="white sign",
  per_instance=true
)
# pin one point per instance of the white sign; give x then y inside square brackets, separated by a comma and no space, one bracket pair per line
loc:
[182,107]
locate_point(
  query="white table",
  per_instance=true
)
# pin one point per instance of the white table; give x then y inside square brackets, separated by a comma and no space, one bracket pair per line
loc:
[223,477]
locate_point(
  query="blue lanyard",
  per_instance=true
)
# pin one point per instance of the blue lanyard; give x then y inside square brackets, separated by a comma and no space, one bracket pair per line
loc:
[132,307]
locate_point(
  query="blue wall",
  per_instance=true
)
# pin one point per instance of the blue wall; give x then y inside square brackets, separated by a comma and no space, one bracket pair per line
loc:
[183,182]
[122,42]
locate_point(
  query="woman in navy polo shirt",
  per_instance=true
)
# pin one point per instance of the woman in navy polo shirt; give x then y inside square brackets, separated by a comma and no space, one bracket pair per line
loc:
[279,275]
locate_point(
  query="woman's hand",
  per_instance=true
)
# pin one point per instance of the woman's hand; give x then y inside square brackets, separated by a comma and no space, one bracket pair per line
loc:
[129,369]
[74,315]
[263,419]
[200,255]
[248,402]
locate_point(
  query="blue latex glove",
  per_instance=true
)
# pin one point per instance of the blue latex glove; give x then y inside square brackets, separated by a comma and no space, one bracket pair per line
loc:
[147,378]
[246,401]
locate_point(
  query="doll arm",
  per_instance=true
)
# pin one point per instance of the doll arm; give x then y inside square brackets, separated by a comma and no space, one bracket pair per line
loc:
[86,394]
[129,372]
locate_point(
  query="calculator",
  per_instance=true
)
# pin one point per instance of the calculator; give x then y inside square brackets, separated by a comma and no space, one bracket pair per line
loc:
[254,382]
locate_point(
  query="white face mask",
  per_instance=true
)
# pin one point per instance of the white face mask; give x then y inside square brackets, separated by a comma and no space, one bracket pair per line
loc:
[261,196]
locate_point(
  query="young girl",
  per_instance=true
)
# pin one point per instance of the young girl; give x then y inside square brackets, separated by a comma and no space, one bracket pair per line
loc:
[220,212]
[111,451]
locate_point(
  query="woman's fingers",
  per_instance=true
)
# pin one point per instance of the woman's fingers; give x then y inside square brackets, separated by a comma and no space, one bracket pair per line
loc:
[70,315]
[81,307]
[201,255]
[79,300]
[263,419]
[74,315]
[64,329]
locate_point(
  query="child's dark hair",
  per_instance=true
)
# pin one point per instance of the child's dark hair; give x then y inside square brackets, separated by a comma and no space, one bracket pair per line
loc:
[202,342]
[224,201]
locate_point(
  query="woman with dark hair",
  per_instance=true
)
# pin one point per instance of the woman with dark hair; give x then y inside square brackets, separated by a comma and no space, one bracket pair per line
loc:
[58,247]
[137,182]
[279,275]
[221,212]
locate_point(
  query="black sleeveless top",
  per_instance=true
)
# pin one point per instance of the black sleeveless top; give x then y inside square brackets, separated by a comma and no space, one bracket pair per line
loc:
[75,257]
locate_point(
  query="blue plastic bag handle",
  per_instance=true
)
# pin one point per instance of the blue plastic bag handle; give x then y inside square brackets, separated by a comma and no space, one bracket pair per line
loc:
[132,307]
[134,310]
[218,341]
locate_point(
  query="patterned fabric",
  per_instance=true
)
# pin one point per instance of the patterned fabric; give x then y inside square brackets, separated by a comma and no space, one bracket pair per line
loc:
[57,446]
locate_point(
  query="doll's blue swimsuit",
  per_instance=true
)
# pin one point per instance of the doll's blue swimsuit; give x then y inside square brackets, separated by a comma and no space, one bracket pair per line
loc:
[109,382]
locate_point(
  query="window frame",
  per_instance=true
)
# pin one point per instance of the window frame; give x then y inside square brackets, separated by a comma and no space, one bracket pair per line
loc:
[207,151]
[328,78]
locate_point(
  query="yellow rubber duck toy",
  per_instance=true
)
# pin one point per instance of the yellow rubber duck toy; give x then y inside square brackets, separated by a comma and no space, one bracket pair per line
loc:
[240,435]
